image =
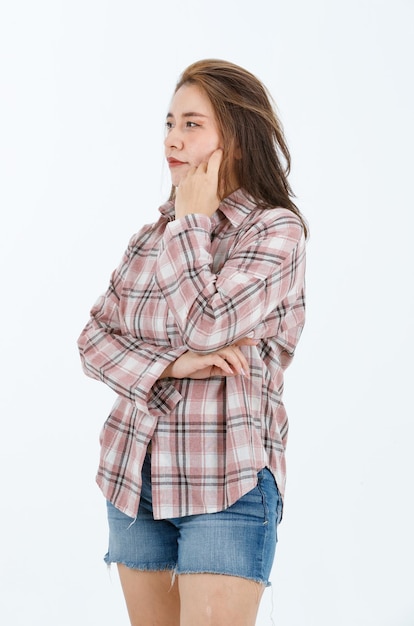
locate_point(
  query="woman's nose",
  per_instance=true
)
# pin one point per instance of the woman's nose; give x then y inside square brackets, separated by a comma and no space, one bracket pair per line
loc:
[173,139]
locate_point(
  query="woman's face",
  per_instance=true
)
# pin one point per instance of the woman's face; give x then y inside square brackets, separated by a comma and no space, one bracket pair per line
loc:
[192,133]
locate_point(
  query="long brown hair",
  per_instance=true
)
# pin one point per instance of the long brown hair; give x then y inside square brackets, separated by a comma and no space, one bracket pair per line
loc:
[255,149]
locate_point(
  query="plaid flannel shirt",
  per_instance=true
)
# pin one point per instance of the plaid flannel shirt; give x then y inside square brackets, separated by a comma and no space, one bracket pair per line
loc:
[197,283]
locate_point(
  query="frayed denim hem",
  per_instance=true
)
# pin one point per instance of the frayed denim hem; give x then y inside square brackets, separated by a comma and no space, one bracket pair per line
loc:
[171,567]
[148,567]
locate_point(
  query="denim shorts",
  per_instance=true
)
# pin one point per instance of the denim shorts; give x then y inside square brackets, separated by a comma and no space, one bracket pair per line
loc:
[239,541]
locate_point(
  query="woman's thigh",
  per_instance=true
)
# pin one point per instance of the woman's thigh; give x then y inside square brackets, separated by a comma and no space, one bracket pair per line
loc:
[151,598]
[219,600]
[202,599]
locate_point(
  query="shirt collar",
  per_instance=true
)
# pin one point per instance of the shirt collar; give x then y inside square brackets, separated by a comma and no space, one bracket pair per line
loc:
[236,207]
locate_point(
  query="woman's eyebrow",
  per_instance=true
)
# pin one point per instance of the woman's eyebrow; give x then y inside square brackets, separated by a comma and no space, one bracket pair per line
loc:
[189,114]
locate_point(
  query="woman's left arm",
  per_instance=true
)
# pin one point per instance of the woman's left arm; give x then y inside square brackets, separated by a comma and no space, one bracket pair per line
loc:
[265,271]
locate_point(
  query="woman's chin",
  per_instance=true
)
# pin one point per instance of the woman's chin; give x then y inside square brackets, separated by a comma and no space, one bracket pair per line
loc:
[175,180]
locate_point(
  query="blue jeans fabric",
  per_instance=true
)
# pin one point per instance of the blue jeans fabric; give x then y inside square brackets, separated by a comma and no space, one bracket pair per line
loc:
[239,541]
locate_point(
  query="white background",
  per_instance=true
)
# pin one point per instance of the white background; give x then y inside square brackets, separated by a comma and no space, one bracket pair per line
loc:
[85,85]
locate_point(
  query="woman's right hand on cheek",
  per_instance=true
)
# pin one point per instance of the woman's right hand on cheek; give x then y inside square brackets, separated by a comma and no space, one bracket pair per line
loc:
[198,191]
[228,361]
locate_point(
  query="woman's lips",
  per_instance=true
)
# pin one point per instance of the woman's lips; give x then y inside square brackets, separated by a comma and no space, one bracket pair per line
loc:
[174,162]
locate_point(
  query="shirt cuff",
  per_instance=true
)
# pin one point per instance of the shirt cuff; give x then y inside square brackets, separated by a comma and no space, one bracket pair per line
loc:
[155,396]
[188,222]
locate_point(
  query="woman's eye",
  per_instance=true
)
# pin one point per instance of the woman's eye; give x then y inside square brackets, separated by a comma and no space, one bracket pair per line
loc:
[170,125]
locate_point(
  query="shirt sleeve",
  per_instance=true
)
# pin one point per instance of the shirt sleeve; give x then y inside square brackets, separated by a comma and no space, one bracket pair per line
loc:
[127,365]
[260,274]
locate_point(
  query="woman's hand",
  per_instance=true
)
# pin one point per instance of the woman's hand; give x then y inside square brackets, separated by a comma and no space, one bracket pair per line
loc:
[228,361]
[198,190]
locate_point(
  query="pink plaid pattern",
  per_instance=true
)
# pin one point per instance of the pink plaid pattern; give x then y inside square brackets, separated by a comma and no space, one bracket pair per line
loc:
[197,283]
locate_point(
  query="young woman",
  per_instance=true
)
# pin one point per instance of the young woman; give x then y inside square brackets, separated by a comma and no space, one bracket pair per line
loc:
[198,323]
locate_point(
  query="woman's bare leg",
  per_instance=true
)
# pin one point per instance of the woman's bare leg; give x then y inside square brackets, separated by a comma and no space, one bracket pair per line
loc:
[218,600]
[150,598]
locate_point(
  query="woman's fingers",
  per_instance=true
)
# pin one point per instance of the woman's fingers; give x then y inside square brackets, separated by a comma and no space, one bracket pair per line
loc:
[198,190]
[214,162]
[235,357]
[228,361]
